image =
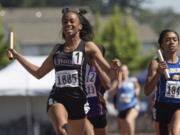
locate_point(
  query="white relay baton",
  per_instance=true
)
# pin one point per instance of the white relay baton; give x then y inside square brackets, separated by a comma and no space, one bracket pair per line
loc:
[162,59]
[11,42]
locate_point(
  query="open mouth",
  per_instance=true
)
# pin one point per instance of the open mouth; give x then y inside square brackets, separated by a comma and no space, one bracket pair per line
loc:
[68,30]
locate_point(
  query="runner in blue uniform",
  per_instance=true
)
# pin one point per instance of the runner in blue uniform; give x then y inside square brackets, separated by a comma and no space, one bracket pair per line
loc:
[126,100]
[68,98]
[166,109]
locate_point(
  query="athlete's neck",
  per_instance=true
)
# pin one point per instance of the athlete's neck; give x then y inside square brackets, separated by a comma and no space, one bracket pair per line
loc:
[70,45]
[172,58]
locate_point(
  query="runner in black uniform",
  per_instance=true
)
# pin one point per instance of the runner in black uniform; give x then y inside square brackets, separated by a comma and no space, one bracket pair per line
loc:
[68,97]
[70,76]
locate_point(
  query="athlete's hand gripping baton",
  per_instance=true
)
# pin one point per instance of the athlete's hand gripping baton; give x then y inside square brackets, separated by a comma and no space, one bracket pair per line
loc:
[162,59]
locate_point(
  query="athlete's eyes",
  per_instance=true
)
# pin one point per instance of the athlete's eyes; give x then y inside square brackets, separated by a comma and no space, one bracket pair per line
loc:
[68,21]
[171,39]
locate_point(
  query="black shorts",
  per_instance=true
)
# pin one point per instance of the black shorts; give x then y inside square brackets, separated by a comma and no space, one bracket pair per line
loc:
[164,112]
[74,105]
[98,121]
[123,114]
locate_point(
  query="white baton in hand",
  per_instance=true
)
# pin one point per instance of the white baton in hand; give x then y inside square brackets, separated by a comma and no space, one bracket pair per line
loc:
[11,44]
[162,59]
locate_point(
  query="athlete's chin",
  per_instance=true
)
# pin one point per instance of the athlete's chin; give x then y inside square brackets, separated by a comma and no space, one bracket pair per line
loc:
[172,51]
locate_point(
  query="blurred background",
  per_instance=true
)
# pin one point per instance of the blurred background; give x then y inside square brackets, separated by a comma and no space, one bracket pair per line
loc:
[128,29]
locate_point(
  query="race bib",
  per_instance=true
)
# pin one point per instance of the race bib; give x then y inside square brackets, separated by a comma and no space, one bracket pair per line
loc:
[67,78]
[91,89]
[172,89]
[91,77]
[77,57]
[125,98]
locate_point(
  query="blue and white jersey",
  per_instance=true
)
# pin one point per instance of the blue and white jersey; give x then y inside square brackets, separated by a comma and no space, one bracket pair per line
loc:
[168,91]
[126,96]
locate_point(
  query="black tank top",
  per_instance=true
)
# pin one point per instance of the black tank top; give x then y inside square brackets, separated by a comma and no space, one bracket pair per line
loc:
[70,68]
